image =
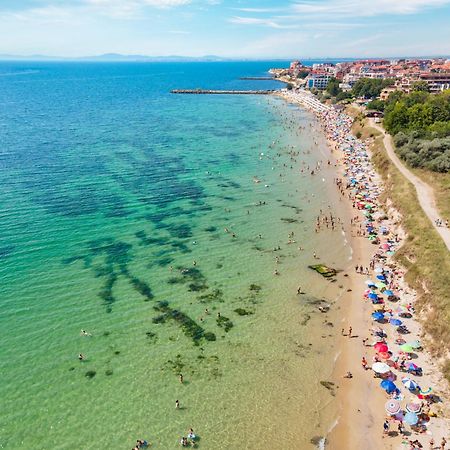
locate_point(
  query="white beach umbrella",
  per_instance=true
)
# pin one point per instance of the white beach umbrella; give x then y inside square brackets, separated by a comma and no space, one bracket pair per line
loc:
[380,367]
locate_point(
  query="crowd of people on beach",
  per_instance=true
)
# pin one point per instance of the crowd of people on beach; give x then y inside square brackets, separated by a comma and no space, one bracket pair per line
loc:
[396,354]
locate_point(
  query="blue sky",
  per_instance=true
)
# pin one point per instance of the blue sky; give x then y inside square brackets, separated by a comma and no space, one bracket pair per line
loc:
[233,28]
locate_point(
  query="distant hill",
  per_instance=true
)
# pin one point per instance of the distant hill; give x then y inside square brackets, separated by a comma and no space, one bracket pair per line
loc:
[114,57]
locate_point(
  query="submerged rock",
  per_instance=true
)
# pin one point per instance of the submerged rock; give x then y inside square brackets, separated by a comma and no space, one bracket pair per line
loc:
[324,270]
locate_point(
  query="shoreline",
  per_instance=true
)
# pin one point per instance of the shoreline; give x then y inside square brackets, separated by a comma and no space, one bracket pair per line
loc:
[361,401]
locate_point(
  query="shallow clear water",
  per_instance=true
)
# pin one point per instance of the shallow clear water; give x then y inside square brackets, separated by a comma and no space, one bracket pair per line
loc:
[115,200]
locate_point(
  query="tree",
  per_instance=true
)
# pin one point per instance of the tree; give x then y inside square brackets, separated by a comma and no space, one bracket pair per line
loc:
[370,87]
[421,86]
[333,87]
[303,74]
[377,105]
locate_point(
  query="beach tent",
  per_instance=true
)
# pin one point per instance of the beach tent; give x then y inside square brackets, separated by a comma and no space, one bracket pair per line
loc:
[388,386]
[411,418]
[380,367]
[392,407]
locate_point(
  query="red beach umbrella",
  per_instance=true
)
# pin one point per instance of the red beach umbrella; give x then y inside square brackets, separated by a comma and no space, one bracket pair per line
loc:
[381,347]
[384,355]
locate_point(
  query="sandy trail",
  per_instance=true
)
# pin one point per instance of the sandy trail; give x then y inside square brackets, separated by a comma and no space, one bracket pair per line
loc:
[425,193]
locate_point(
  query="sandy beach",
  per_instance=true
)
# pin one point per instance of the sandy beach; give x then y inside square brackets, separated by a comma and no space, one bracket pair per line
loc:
[375,235]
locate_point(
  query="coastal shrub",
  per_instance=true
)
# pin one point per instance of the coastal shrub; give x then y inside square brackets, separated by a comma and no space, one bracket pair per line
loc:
[90,374]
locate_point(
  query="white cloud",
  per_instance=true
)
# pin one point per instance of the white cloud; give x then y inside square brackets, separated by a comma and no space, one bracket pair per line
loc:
[257,21]
[353,8]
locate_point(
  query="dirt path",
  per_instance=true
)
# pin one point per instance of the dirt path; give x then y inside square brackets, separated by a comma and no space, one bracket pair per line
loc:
[425,193]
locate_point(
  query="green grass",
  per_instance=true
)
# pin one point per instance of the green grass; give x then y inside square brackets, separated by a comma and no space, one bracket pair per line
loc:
[424,255]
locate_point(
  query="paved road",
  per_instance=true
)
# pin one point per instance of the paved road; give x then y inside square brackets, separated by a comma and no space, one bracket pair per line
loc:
[425,193]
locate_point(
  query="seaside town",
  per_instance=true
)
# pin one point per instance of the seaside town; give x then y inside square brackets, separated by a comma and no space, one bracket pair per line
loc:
[403,72]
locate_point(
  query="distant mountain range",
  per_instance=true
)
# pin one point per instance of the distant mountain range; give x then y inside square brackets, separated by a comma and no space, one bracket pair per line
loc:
[114,57]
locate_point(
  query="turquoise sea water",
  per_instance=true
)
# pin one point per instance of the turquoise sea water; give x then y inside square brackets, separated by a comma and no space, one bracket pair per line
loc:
[116,199]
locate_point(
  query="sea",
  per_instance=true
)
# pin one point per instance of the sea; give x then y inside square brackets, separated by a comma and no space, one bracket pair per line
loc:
[165,238]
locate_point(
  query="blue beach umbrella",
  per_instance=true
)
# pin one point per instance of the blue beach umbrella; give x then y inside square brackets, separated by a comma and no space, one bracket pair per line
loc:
[396,322]
[410,418]
[388,292]
[388,386]
[373,296]
[410,384]
[381,277]
[378,316]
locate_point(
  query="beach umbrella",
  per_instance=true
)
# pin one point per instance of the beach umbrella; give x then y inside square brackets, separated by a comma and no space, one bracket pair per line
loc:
[409,384]
[380,285]
[385,246]
[388,386]
[384,355]
[378,316]
[414,408]
[373,296]
[412,366]
[392,407]
[378,306]
[396,322]
[388,292]
[410,418]
[406,348]
[380,347]
[380,367]
[379,270]
[370,283]
[415,344]
[426,391]
[381,277]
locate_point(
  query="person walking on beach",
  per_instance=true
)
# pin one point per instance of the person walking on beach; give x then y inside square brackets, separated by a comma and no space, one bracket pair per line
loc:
[386,427]
[443,442]
[177,404]
[350,332]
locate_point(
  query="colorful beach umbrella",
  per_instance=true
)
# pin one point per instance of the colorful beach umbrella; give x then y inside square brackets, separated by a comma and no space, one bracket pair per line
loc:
[380,367]
[373,296]
[392,407]
[406,348]
[388,292]
[388,386]
[426,391]
[411,418]
[384,355]
[409,384]
[414,408]
[378,316]
[381,347]
[396,322]
[412,366]
[381,277]
[415,344]
[380,285]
